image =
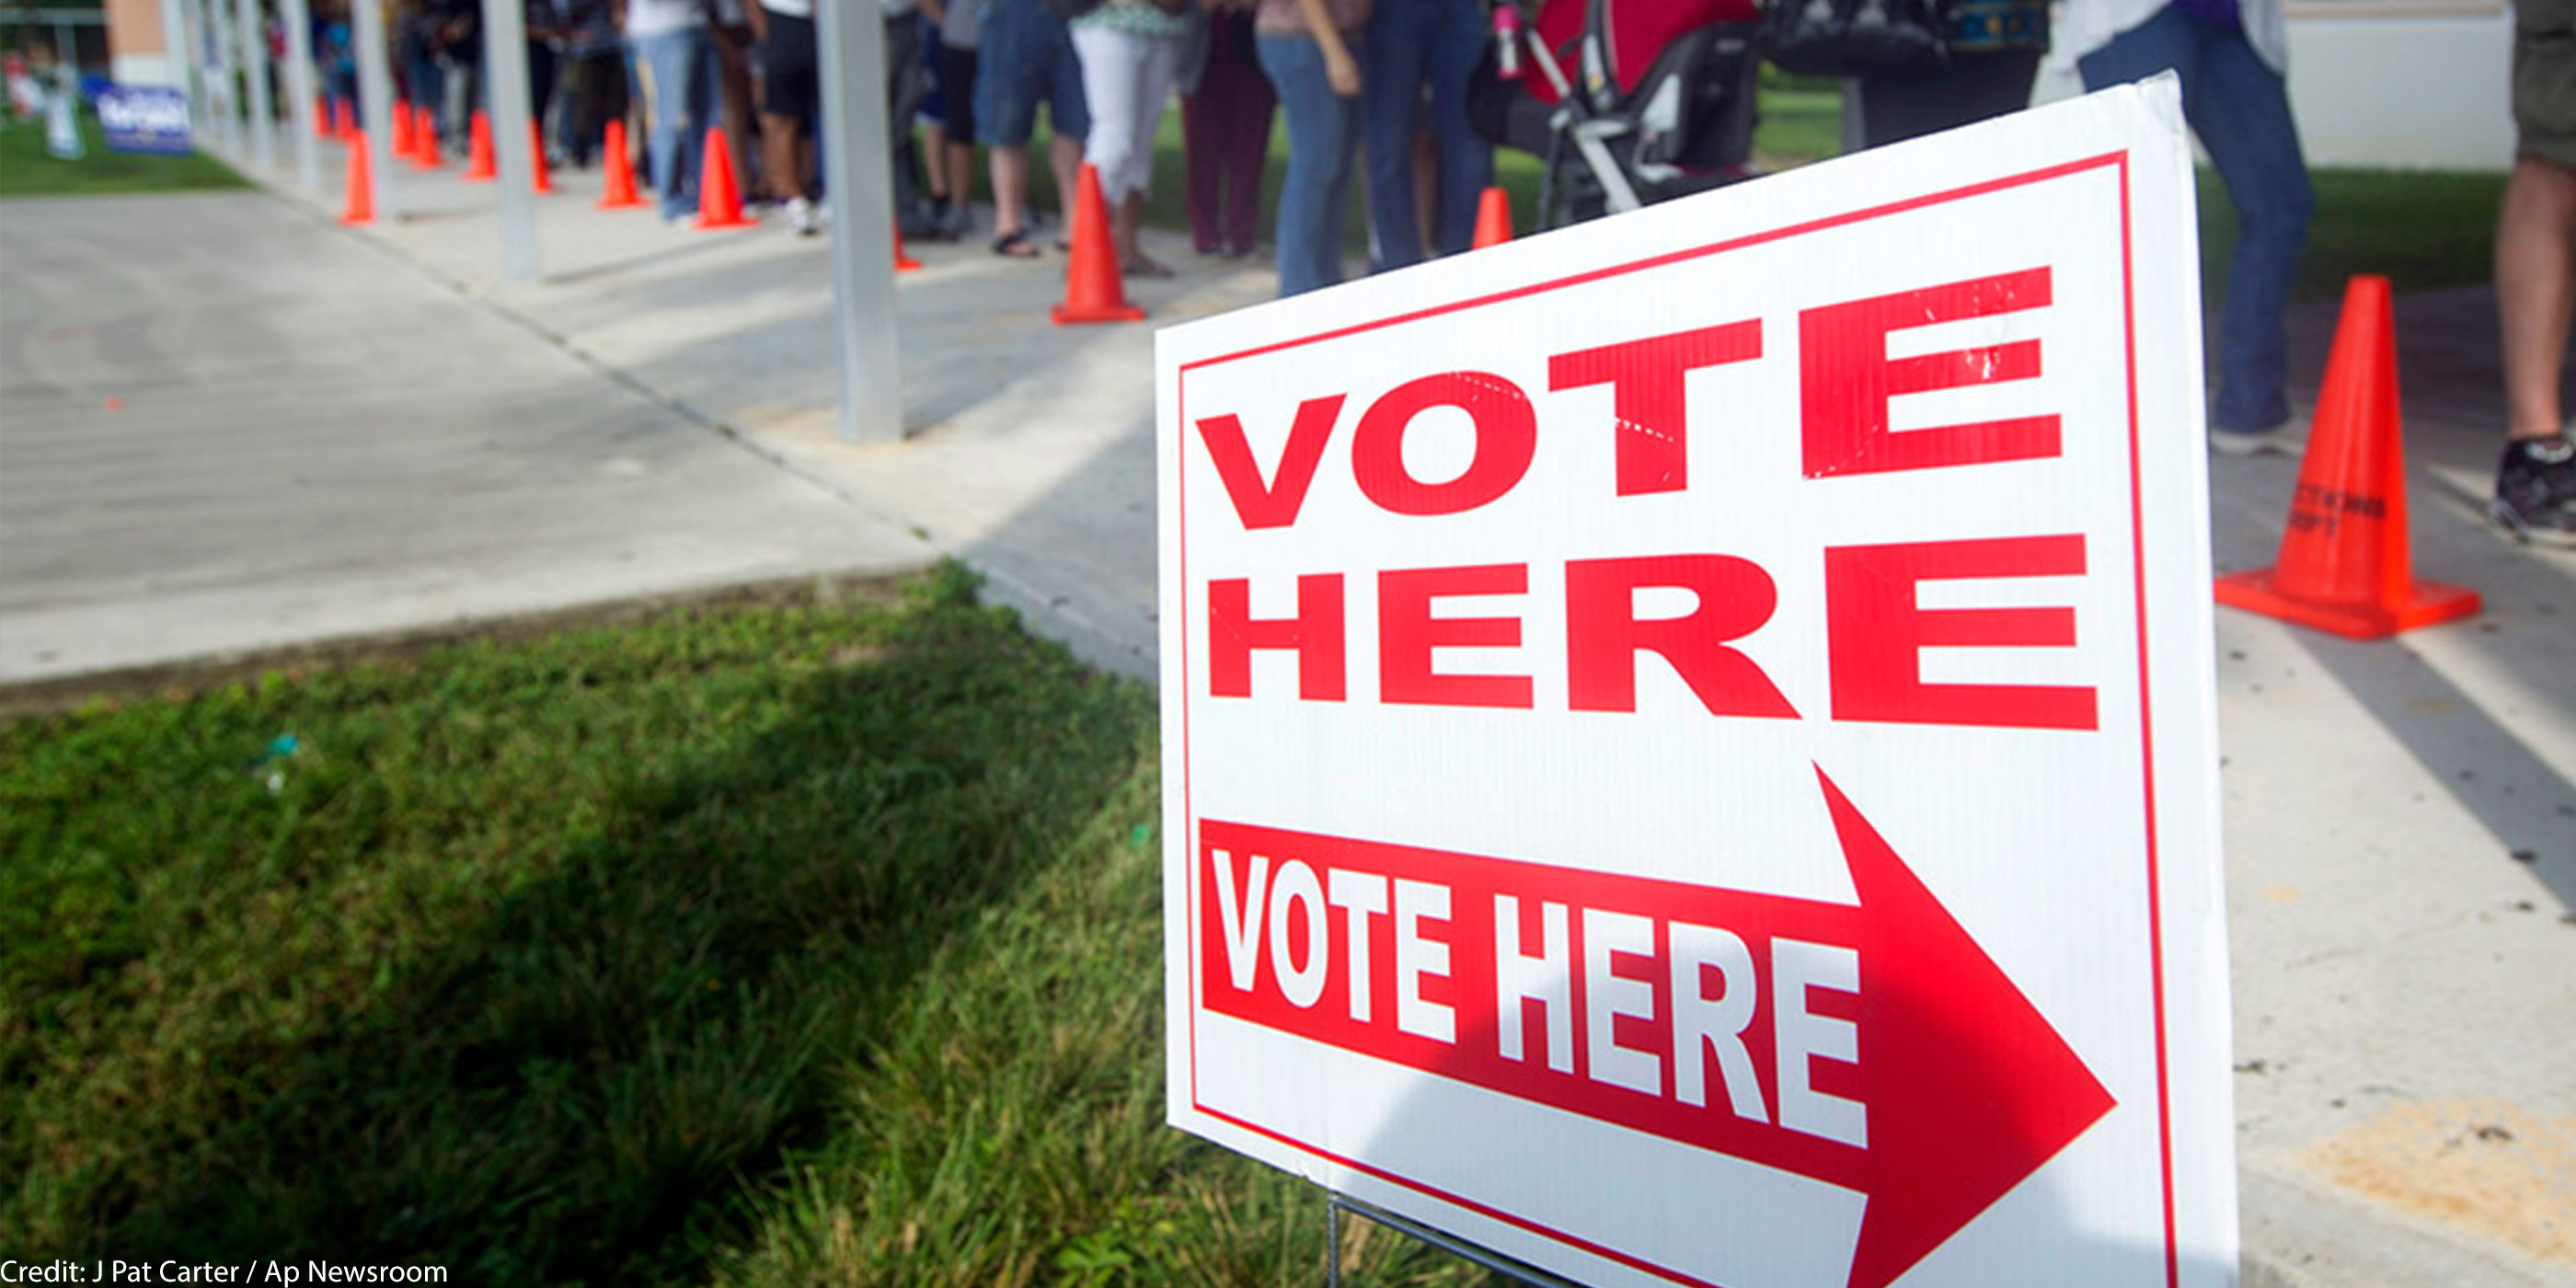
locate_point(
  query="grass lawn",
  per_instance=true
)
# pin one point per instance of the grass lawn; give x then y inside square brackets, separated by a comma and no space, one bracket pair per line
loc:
[28,170]
[776,946]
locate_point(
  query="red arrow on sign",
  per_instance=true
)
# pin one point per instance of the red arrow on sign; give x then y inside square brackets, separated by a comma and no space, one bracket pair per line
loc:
[1873,1047]
[1978,1090]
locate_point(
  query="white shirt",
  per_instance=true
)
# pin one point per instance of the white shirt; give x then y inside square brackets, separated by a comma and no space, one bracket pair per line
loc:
[656,17]
[2086,25]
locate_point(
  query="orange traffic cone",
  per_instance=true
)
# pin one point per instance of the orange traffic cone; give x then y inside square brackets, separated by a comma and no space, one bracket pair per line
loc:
[344,119]
[1092,291]
[1493,218]
[903,263]
[361,207]
[719,200]
[402,144]
[619,190]
[544,182]
[2344,564]
[424,141]
[479,167]
[321,116]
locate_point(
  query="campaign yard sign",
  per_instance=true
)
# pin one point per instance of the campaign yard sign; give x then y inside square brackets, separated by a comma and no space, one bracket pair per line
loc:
[1689,741]
[144,118]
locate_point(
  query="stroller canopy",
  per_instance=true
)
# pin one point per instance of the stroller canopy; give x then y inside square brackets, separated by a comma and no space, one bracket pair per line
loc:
[1633,32]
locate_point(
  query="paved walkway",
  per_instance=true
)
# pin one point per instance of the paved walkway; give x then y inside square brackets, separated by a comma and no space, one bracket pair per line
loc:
[298,455]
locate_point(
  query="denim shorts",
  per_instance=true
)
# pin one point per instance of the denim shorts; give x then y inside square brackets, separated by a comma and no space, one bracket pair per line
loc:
[2544,80]
[1027,58]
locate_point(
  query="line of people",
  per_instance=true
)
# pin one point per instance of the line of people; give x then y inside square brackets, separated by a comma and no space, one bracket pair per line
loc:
[966,74]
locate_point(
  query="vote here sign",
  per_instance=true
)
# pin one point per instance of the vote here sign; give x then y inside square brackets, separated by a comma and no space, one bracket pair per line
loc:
[1689,747]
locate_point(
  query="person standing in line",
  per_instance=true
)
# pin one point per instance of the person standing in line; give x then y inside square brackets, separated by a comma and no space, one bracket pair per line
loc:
[1131,54]
[415,53]
[2230,55]
[932,117]
[667,40]
[790,95]
[908,23]
[729,38]
[960,31]
[594,80]
[546,32]
[1413,46]
[1304,46]
[2535,275]
[1225,134]
[1028,59]
[459,47]
[1994,48]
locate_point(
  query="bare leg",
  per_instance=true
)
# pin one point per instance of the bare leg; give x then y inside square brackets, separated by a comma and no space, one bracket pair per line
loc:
[934,145]
[2535,274]
[1065,155]
[961,173]
[1125,223]
[1010,190]
[779,141]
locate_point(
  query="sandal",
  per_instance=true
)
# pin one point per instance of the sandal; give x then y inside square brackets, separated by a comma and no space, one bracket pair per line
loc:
[1014,245]
[1141,267]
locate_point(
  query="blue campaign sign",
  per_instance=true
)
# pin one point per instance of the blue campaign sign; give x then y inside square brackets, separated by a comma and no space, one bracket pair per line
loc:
[144,118]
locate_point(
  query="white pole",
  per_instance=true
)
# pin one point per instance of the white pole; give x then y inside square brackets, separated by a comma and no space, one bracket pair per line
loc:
[174,43]
[375,100]
[505,74]
[222,24]
[857,165]
[201,87]
[300,88]
[263,112]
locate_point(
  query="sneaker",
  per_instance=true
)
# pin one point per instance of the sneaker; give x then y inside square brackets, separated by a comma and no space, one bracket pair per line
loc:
[801,217]
[955,223]
[2289,438]
[2535,491]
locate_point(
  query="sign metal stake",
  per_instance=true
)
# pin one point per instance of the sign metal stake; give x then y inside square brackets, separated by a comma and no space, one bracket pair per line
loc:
[1336,1203]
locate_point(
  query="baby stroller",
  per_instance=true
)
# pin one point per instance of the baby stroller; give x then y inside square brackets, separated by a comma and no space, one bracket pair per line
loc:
[1664,105]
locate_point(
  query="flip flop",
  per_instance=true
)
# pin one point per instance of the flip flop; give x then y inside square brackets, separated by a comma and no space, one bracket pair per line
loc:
[1014,245]
[1146,268]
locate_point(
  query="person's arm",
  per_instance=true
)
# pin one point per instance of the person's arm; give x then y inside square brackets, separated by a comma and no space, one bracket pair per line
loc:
[1340,69]
[757,14]
[932,10]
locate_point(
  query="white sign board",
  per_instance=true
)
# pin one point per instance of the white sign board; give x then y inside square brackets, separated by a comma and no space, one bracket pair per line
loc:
[1689,743]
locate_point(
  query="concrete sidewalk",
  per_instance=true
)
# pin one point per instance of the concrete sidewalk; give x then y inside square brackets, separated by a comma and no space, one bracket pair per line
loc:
[2401,816]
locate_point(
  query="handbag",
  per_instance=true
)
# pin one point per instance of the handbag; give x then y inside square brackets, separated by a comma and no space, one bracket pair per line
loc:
[1854,37]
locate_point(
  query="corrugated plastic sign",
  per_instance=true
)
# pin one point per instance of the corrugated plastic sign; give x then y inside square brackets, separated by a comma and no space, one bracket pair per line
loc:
[1689,741]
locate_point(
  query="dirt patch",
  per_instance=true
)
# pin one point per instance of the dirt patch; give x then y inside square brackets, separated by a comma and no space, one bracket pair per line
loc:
[2483,1166]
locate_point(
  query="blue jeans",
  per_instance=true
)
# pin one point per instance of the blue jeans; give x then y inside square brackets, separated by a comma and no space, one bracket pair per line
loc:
[1411,42]
[1323,131]
[671,70]
[2240,109]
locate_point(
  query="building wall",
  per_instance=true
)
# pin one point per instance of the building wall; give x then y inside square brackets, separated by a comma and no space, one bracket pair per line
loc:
[137,51]
[2404,84]
[2374,84]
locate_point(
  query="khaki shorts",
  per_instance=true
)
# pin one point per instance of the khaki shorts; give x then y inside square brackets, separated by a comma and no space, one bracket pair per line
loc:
[2544,80]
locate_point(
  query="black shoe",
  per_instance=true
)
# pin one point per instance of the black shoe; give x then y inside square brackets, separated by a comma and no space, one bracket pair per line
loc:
[2535,491]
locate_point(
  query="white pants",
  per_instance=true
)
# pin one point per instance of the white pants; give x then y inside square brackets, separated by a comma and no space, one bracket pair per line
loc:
[1126,80]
